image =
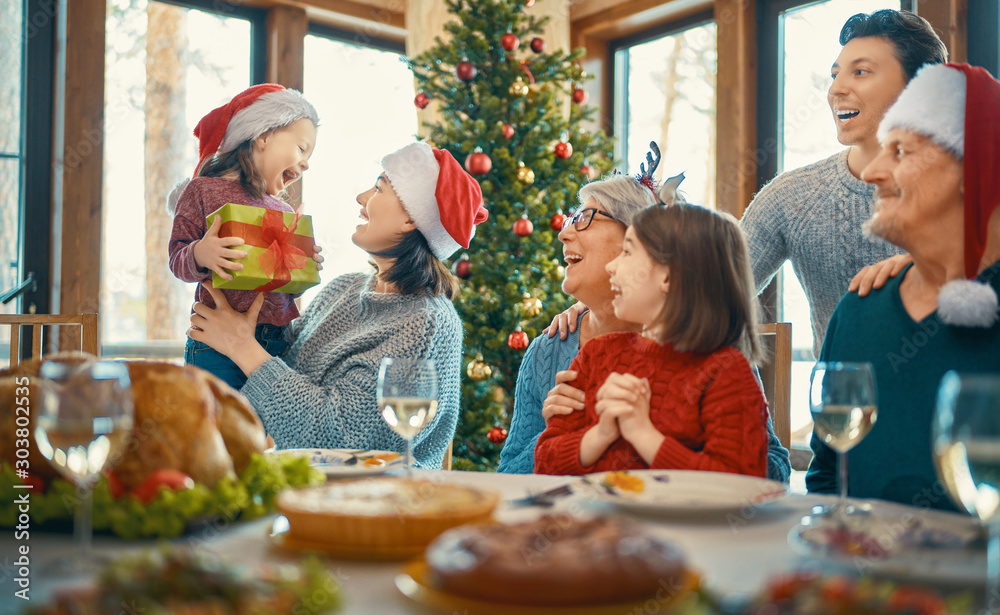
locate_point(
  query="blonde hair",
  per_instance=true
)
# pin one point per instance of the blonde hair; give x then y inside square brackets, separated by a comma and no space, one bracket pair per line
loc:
[711,299]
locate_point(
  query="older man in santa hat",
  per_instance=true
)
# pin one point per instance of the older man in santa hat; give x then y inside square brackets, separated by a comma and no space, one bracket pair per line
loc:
[938,188]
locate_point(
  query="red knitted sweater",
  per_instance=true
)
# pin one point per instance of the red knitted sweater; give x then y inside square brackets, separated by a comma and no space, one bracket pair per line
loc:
[710,408]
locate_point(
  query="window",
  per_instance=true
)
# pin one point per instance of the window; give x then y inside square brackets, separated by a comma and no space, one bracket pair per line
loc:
[11,54]
[665,92]
[364,97]
[166,67]
[808,43]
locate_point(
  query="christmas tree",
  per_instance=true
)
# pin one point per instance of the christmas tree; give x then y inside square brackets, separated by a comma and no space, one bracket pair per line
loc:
[515,115]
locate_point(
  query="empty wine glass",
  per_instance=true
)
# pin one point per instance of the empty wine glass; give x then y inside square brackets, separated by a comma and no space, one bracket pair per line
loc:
[407,392]
[966,439]
[843,401]
[84,419]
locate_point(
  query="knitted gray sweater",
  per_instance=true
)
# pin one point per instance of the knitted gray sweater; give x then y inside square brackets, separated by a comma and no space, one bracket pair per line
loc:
[813,216]
[321,392]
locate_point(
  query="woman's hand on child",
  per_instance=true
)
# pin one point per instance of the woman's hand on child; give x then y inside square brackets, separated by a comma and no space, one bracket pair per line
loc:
[563,398]
[565,323]
[213,252]
[223,328]
[316,257]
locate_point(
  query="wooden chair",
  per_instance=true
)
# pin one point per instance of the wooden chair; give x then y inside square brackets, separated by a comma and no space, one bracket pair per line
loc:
[446,464]
[777,376]
[86,322]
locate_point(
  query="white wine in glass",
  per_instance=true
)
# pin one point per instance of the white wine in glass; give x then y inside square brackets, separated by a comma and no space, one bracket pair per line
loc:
[407,394]
[83,421]
[843,400]
[966,443]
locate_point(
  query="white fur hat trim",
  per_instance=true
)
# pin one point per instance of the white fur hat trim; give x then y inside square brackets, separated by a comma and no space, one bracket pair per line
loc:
[270,111]
[413,172]
[967,303]
[933,104]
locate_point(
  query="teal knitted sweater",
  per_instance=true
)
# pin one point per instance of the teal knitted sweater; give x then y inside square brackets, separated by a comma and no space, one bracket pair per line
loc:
[894,460]
[321,392]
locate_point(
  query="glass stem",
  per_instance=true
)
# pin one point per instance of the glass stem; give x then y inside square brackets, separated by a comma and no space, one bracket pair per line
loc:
[409,458]
[842,482]
[82,524]
[993,565]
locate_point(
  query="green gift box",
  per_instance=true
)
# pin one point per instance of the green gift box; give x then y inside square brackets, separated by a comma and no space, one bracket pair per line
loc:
[279,248]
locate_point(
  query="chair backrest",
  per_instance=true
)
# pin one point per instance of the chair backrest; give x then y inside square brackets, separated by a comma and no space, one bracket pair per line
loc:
[777,376]
[39,323]
[446,463]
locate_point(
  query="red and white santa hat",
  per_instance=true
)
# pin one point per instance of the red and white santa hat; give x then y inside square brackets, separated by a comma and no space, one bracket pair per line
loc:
[957,106]
[444,201]
[250,114]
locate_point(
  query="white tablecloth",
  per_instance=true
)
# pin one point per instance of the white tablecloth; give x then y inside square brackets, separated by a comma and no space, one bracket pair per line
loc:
[735,553]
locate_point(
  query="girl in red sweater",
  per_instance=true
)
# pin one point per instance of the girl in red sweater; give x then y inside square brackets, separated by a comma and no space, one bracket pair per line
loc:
[681,394]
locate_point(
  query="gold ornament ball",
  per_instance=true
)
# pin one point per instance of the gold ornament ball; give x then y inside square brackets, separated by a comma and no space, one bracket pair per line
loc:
[478,370]
[532,306]
[519,88]
[525,175]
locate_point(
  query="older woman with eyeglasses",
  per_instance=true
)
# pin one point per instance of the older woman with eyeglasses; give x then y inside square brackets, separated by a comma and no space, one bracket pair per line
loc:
[591,237]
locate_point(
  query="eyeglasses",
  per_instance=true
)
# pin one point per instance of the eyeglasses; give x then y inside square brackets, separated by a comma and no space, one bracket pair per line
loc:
[581,219]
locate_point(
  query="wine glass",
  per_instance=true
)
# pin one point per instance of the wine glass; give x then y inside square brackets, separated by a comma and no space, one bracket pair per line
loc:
[966,441]
[84,419]
[407,393]
[843,401]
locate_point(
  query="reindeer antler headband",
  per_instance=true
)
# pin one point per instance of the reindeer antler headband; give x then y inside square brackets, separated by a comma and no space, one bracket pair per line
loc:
[666,194]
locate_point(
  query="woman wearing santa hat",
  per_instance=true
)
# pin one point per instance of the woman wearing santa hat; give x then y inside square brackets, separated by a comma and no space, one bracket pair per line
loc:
[321,391]
[249,151]
[937,194]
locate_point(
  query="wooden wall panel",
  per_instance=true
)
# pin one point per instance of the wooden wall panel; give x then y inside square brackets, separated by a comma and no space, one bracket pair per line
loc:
[79,157]
[736,162]
[949,18]
[286,33]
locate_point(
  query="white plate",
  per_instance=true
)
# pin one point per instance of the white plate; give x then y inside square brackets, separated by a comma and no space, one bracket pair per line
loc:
[688,491]
[918,545]
[339,462]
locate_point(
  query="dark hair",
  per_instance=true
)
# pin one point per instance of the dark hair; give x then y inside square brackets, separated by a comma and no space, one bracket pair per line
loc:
[240,161]
[711,300]
[911,36]
[415,269]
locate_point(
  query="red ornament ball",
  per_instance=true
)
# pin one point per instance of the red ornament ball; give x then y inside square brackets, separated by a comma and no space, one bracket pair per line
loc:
[580,96]
[557,221]
[465,71]
[497,434]
[421,100]
[478,163]
[523,227]
[538,44]
[462,268]
[563,150]
[528,2]
[509,41]
[508,130]
[587,171]
[518,340]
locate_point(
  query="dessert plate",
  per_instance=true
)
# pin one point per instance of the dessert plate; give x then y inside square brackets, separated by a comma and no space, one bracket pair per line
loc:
[682,492]
[416,583]
[282,540]
[339,462]
[921,545]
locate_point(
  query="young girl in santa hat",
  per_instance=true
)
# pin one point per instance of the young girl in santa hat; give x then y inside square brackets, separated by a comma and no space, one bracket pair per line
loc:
[250,150]
[681,394]
[321,392]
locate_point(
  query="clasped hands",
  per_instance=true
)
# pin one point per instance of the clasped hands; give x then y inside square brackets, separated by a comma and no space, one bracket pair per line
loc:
[622,405]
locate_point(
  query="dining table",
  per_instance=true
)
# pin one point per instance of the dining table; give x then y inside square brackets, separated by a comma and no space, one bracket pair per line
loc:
[734,551]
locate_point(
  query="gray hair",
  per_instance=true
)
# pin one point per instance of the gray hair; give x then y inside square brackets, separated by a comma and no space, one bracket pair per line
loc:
[621,195]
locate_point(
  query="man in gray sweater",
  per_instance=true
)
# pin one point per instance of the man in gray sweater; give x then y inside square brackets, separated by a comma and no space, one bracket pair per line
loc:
[813,216]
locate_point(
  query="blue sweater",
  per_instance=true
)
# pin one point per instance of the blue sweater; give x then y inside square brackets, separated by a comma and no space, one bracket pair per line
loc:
[894,461]
[546,356]
[321,392]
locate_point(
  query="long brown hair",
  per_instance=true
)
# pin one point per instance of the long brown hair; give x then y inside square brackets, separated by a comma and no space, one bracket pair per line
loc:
[239,161]
[415,270]
[710,303]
